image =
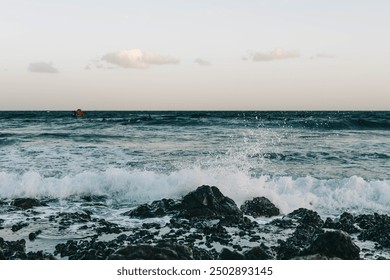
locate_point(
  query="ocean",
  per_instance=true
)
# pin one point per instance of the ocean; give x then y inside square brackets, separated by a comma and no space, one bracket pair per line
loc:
[327,161]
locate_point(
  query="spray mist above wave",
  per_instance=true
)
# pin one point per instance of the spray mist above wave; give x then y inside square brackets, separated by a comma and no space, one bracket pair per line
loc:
[353,194]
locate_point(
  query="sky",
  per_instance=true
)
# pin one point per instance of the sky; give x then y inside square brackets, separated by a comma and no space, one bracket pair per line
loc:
[195,55]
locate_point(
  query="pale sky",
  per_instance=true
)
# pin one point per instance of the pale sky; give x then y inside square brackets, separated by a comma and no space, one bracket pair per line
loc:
[195,55]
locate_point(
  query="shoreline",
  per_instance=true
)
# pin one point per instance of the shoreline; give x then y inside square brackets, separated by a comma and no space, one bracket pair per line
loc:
[203,225]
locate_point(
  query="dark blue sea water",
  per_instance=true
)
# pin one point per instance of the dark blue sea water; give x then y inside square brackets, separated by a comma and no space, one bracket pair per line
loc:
[329,162]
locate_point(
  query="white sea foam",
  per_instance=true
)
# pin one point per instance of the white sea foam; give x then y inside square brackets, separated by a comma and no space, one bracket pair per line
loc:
[332,196]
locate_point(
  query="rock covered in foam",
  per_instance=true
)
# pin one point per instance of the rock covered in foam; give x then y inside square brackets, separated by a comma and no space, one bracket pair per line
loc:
[258,207]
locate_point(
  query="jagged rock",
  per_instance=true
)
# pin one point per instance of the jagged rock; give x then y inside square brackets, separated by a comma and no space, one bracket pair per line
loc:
[13,250]
[375,228]
[283,223]
[335,244]
[258,207]
[70,218]
[149,252]
[158,208]
[307,217]
[27,203]
[346,223]
[209,202]
[302,237]
[202,254]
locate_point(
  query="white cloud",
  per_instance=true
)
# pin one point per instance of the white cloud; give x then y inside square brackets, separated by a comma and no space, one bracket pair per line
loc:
[42,67]
[136,58]
[276,54]
[202,62]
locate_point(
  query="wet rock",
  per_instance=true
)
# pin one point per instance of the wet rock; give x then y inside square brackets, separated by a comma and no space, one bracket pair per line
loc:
[13,250]
[314,257]
[365,221]
[33,235]
[241,222]
[259,207]
[40,255]
[261,252]
[19,226]
[67,219]
[107,227]
[346,223]
[227,254]
[27,203]
[283,223]
[307,217]
[209,202]
[375,228]
[149,252]
[151,225]
[334,244]
[301,238]
[202,254]
[158,208]
[87,250]
[94,198]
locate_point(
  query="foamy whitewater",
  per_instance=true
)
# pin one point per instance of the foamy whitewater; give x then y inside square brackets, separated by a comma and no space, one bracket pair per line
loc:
[329,162]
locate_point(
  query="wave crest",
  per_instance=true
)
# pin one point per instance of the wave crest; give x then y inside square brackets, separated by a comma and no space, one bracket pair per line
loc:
[331,196]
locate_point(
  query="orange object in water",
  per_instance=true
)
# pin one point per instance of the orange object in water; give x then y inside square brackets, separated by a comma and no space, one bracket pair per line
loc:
[79,113]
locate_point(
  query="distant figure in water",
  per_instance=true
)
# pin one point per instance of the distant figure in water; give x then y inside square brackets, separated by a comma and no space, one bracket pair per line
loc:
[79,113]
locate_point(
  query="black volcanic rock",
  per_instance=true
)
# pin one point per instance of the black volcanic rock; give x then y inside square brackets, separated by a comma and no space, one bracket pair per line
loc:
[346,223]
[227,254]
[27,203]
[158,208]
[259,253]
[259,206]
[33,235]
[335,244]
[149,252]
[18,226]
[307,217]
[13,250]
[375,228]
[209,202]
[308,228]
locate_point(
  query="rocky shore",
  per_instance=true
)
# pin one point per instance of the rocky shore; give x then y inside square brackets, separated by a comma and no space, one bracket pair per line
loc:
[206,225]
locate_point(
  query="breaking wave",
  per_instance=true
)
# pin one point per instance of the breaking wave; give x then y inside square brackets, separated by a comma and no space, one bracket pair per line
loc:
[331,196]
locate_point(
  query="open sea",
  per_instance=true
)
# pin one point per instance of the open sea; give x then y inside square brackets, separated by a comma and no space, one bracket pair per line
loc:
[329,161]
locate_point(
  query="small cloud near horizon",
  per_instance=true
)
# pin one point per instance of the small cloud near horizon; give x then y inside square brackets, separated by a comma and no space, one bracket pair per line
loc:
[42,67]
[136,58]
[202,62]
[276,54]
